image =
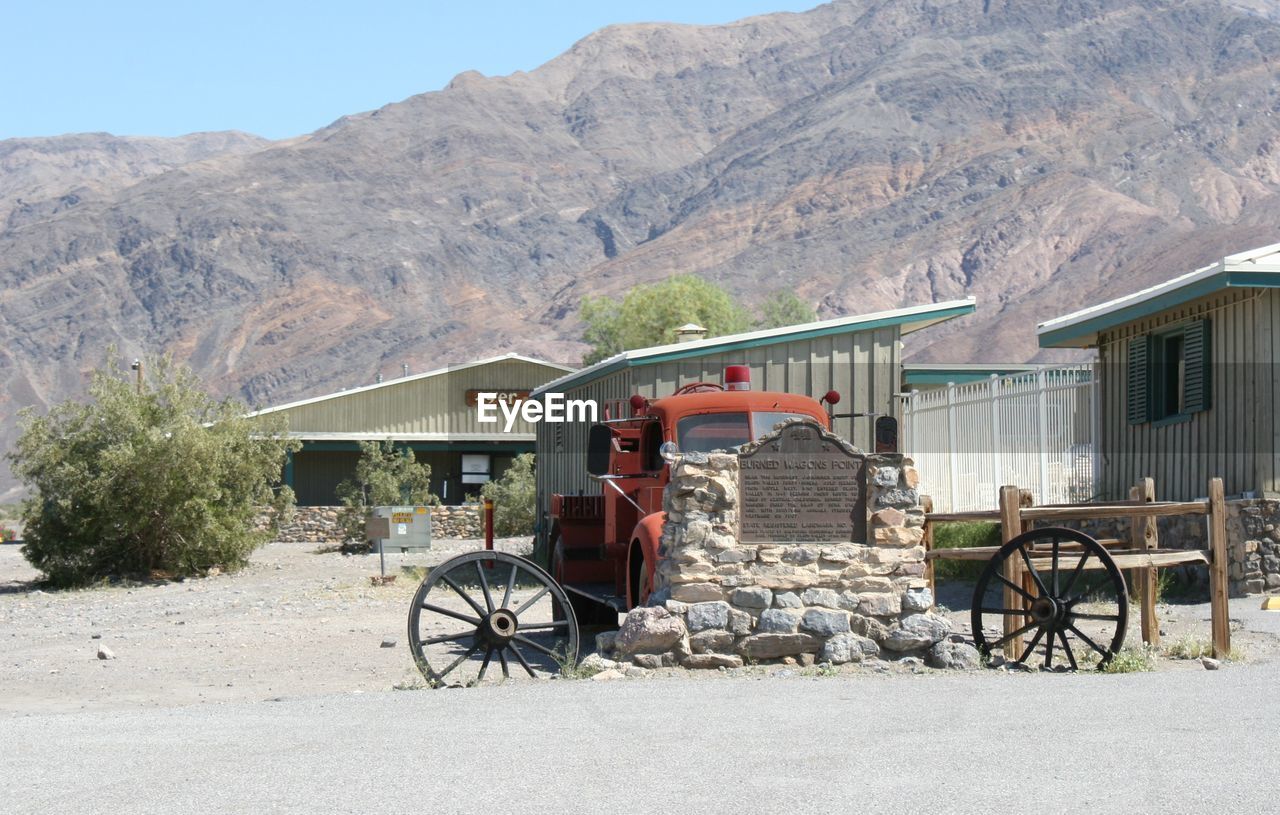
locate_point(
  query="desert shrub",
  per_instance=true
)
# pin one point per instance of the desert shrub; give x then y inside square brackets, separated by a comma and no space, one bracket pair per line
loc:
[962,536]
[386,475]
[514,498]
[155,478]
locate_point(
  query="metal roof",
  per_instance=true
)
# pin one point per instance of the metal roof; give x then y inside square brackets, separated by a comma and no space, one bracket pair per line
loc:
[1256,268]
[940,373]
[909,319]
[412,378]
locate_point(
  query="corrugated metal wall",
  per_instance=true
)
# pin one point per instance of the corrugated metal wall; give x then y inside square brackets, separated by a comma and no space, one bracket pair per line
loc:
[1234,439]
[435,404]
[863,366]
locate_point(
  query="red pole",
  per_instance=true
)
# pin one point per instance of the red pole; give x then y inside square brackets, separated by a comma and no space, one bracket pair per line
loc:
[488,528]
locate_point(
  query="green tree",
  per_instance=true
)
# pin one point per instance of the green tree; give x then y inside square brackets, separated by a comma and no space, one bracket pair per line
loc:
[386,475]
[140,479]
[649,315]
[783,308]
[514,498]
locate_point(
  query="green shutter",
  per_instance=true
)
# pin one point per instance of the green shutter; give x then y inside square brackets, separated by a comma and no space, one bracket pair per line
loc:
[1197,385]
[1139,378]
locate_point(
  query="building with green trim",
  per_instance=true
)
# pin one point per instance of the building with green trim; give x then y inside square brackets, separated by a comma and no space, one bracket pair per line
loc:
[859,356]
[433,414]
[1187,379]
[924,376]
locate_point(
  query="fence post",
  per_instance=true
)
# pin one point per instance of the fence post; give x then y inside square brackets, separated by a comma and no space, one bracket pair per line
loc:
[1142,534]
[952,462]
[1218,570]
[996,464]
[926,503]
[1042,398]
[1010,528]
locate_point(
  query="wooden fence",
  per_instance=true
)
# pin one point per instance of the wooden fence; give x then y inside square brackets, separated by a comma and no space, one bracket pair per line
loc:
[1140,553]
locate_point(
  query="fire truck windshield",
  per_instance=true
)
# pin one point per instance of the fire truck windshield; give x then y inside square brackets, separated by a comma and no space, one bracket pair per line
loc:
[723,431]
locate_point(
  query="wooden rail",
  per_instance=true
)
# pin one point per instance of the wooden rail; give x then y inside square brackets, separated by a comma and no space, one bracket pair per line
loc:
[1140,554]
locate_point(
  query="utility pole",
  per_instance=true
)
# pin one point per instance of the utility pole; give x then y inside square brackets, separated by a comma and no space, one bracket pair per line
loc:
[137,366]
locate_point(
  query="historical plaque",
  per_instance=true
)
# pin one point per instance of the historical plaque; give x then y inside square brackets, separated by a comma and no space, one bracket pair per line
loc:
[802,484]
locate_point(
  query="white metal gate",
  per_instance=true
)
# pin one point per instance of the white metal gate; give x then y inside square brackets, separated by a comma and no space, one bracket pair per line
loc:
[1036,430]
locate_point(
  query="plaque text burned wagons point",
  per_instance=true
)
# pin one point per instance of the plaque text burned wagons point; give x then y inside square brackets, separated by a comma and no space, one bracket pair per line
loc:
[802,484]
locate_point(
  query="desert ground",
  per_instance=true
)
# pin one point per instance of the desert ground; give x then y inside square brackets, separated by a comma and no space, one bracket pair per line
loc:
[304,621]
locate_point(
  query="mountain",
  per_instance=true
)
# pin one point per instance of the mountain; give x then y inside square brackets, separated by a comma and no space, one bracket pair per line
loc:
[867,154]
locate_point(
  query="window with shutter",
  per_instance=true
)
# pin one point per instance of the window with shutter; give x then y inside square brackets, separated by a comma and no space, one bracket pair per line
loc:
[1139,376]
[1196,381]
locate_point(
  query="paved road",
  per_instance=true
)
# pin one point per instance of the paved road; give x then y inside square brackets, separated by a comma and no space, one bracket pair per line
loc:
[1182,741]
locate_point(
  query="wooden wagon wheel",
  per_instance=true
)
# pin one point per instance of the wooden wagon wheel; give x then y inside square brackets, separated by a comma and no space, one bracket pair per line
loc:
[1052,604]
[466,615]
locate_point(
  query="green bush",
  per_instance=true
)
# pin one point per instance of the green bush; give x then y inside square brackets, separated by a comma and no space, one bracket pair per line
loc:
[7,534]
[386,475]
[962,536]
[155,478]
[514,498]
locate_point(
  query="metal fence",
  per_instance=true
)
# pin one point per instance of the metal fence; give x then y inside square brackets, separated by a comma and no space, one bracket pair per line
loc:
[1036,430]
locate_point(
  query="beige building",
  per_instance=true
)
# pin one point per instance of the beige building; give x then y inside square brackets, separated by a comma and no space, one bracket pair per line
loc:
[433,414]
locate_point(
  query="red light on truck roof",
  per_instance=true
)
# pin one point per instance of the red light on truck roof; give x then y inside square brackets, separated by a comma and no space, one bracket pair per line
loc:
[737,378]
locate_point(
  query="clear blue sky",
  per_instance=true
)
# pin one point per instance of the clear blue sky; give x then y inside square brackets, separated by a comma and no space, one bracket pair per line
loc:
[279,68]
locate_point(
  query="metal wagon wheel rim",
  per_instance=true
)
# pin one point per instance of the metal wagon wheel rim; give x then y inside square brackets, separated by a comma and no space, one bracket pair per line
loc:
[1050,610]
[498,625]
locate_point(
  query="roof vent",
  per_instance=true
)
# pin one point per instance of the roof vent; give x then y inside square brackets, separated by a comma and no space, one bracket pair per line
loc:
[690,332]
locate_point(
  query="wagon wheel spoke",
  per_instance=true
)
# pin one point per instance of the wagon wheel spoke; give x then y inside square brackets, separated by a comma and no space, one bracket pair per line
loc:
[502,658]
[1032,569]
[511,584]
[488,655]
[545,626]
[448,581]
[1071,581]
[535,598]
[1031,647]
[450,613]
[1048,648]
[1066,646]
[448,638]
[474,647]
[1025,594]
[484,585]
[520,657]
[1054,566]
[1115,618]
[523,640]
[1101,584]
[1089,642]
[1018,633]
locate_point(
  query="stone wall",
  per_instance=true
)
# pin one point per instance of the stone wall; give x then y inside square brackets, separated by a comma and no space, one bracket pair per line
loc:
[320,524]
[1253,543]
[720,602]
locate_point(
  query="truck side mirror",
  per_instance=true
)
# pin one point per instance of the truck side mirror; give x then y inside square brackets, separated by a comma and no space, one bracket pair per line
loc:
[599,449]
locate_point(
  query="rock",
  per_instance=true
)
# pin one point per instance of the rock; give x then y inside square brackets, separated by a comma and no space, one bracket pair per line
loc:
[95,636]
[697,592]
[917,631]
[606,676]
[702,616]
[605,641]
[713,661]
[1210,664]
[652,661]
[705,642]
[778,621]
[752,597]
[105,653]
[799,555]
[885,604]
[825,622]
[772,646]
[917,600]
[596,663]
[649,630]
[868,627]
[954,656]
[805,660]
[911,477]
[739,622]
[995,659]
[900,536]
[787,599]
[911,662]
[388,642]
[849,601]
[889,517]
[674,606]
[821,597]
[636,672]
[898,498]
[885,477]
[850,647]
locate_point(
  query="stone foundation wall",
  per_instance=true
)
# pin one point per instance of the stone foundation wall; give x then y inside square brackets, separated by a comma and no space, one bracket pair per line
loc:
[720,602]
[320,524]
[1253,543]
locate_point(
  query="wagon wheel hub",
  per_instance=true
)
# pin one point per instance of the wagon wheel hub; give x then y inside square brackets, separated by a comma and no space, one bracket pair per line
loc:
[500,627]
[1045,609]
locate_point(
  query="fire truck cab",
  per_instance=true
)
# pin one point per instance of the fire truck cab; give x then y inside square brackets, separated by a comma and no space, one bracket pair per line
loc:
[604,548]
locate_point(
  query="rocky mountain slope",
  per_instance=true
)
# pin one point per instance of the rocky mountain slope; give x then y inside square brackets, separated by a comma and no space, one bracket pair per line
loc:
[868,154]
